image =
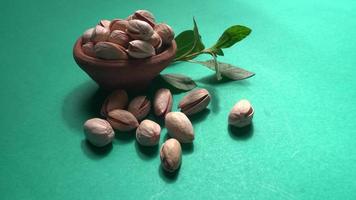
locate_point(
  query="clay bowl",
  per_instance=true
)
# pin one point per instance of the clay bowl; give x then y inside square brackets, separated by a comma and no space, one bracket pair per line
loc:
[132,75]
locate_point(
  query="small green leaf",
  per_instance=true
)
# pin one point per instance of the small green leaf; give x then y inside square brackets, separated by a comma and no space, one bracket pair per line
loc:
[179,81]
[185,43]
[218,52]
[227,70]
[189,44]
[232,35]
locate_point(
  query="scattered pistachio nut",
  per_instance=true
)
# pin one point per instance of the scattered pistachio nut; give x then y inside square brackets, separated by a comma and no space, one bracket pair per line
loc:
[148,133]
[105,23]
[162,103]
[165,32]
[194,102]
[87,35]
[139,30]
[98,132]
[155,40]
[241,114]
[110,51]
[144,15]
[140,49]
[118,24]
[100,34]
[119,37]
[140,106]
[88,49]
[171,155]
[118,99]
[179,127]
[122,120]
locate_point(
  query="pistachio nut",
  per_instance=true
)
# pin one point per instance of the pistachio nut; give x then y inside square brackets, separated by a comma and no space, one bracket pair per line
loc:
[140,106]
[171,155]
[241,114]
[105,23]
[118,24]
[179,127]
[155,41]
[148,133]
[194,101]
[119,37]
[98,132]
[162,103]
[122,120]
[88,49]
[109,51]
[87,35]
[130,17]
[165,32]
[144,15]
[100,34]
[139,30]
[118,99]
[140,49]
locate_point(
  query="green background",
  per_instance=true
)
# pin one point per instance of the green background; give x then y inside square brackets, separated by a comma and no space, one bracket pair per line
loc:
[302,144]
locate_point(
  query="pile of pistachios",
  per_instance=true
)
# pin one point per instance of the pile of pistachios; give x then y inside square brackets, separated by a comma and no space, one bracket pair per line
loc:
[120,115]
[137,36]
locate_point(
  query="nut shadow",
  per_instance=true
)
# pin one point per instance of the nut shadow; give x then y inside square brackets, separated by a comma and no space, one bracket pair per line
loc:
[168,177]
[243,133]
[146,153]
[125,137]
[95,152]
[187,148]
[200,116]
[82,103]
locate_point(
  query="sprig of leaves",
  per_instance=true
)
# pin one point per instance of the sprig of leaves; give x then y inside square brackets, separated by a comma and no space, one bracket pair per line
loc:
[190,45]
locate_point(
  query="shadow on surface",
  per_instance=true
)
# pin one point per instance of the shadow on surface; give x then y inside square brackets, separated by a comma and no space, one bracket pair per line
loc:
[243,133]
[95,152]
[125,137]
[168,177]
[146,153]
[199,117]
[82,103]
[187,148]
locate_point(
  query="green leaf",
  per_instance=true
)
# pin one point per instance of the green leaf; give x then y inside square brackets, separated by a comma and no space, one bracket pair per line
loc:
[185,43]
[218,52]
[227,70]
[189,44]
[179,81]
[232,35]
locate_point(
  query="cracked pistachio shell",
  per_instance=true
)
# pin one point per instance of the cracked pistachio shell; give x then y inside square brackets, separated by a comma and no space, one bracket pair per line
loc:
[144,15]
[109,51]
[98,132]
[119,24]
[140,49]
[100,34]
[241,114]
[88,49]
[194,102]
[140,106]
[165,32]
[171,155]
[118,99]
[87,35]
[162,103]
[148,133]
[139,30]
[119,37]
[179,127]
[155,41]
[122,120]
[105,23]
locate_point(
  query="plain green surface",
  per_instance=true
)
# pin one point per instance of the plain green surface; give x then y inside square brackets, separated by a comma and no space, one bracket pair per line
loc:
[302,144]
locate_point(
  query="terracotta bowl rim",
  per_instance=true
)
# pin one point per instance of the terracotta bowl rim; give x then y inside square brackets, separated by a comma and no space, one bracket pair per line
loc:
[166,54]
